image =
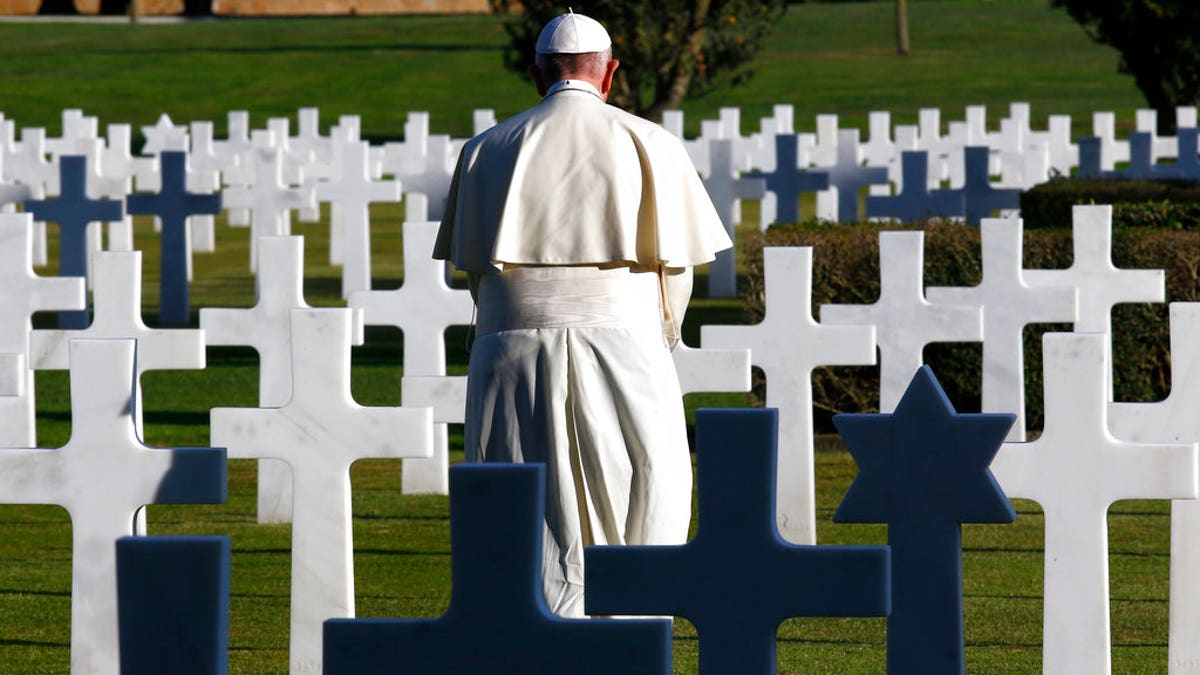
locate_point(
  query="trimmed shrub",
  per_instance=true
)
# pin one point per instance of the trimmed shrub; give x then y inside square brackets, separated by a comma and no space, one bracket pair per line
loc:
[1165,204]
[846,271]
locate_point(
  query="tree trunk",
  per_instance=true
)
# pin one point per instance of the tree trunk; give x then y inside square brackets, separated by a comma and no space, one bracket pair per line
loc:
[681,79]
[902,27]
[1150,83]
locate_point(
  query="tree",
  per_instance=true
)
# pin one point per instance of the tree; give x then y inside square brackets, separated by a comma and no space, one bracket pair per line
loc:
[668,50]
[1159,43]
[902,27]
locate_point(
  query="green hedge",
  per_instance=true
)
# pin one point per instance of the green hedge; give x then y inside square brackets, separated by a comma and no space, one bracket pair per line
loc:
[1165,204]
[846,271]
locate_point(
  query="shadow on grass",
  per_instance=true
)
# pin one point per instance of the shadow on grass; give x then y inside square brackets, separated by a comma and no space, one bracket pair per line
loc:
[18,591]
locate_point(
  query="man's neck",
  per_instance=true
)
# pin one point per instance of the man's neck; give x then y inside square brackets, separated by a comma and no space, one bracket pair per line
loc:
[574,85]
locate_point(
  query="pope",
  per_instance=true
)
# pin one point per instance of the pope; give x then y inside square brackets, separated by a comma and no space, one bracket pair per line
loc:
[578,226]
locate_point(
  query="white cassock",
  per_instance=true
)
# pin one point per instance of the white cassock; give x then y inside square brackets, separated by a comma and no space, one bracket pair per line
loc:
[579,224]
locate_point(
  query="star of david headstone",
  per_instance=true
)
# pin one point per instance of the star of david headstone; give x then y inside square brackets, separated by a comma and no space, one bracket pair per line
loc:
[102,477]
[496,602]
[923,470]
[73,210]
[172,206]
[736,580]
[1173,420]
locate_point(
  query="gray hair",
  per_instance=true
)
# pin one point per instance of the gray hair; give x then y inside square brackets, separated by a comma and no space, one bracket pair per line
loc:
[591,65]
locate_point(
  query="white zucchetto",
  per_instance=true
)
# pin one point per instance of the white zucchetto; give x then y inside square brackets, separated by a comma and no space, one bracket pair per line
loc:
[573,33]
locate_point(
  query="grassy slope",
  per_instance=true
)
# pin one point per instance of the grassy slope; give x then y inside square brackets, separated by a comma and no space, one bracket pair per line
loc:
[831,58]
[822,58]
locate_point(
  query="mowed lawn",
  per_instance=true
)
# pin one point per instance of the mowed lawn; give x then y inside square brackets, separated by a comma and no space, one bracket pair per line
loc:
[821,58]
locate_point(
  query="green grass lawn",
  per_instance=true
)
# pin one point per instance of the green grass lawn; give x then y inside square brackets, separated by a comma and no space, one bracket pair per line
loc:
[835,58]
[823,58]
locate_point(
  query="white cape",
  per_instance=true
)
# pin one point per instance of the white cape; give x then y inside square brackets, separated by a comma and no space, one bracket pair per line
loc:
[636,199]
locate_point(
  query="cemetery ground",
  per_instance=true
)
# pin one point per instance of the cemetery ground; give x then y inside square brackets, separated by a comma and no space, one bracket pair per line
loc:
[823,58]
[402,556]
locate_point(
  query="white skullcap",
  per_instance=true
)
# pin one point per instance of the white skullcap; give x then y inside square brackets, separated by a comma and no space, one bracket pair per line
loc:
[573,33]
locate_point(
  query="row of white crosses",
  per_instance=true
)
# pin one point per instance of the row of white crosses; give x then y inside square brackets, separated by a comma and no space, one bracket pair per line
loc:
[268,173]
[1091,453]
[307,419]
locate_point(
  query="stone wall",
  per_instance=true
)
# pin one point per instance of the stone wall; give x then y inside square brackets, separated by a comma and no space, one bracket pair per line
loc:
[273,7]
[300,7]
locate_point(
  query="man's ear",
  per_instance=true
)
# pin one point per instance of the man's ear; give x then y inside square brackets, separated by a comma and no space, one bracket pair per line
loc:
[606,83]
[538,80]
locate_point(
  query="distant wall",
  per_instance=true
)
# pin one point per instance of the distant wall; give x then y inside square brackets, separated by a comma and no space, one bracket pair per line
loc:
[250,7]
[298,7]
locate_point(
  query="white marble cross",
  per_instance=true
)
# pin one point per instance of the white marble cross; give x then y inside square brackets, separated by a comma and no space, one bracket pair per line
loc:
[28,166]
[726,188]
[353,191]
[117,314]
[905,321]
[788,344]
[1112,151]
[1009,304]
[1174,420]
[320,432]
[708,370]
[423,308]
[1100,284]
[164,135]
[111,177]
[880,150]
[235,149]
[482,120]
[848,175]
[434,180]
[102,477]
[268,199]
[1075,470]
[22,293]
[76,127]
[205,167]
[278,289]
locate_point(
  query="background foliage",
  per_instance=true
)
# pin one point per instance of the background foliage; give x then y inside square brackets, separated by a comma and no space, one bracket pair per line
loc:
[668,50]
